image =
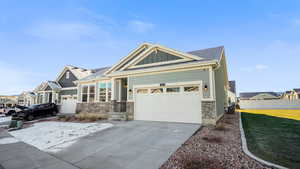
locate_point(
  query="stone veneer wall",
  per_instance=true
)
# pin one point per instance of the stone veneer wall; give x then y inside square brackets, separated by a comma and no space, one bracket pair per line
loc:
[107,107]
[99,107]
[209,113]
[130,110]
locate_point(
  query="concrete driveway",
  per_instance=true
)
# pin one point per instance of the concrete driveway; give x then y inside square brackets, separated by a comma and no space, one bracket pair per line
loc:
[128,145]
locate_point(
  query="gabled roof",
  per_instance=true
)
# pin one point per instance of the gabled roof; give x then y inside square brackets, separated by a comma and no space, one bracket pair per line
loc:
[99,73]
[288,92]
[209,53]
[52,84]
[297,90]
[203,56]
[78,72]
[248,95]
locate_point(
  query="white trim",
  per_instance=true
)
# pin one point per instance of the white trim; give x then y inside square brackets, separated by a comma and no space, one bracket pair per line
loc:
[213,83]
[62,73]
[134,87]
[88,93]
[158,63]
[187,66]
[129,56]
[185,56]
[120,90]
[247,152]
[68,88]
[113,89]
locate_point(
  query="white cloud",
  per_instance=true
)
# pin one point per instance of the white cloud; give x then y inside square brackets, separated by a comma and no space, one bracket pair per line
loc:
[15,80]
[140,26]
[66,30]
[258,67]
[261,67]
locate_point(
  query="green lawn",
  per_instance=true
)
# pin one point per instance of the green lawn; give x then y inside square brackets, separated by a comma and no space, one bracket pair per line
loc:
[273,139]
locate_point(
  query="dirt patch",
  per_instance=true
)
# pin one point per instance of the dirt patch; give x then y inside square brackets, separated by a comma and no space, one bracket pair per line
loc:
[213,147]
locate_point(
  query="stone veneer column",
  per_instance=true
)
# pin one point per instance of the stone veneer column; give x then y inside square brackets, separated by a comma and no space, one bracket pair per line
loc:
[209,113]
[130,110]
[113,106]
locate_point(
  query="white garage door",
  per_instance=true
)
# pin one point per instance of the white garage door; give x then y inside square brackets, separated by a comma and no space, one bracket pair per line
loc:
[68,105]
[171,104]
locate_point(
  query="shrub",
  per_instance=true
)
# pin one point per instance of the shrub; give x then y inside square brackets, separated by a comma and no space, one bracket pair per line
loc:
[221,127]
[90,117]
[212,139]
[194,160]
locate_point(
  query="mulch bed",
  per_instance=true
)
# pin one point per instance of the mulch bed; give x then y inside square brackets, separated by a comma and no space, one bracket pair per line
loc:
[213,148]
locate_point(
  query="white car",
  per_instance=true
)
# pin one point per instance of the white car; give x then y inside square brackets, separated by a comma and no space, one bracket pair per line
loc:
[10,111]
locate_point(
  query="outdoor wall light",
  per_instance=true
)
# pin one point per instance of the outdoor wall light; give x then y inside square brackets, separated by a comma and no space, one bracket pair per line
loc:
[205,87]
[130,90]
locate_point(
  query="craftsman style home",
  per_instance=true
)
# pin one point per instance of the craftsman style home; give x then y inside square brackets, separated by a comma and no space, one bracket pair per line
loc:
[157,83]
[62,91]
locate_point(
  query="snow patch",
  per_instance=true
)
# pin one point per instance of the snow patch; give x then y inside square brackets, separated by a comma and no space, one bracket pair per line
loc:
[8,140]
[5,119]
[55,136]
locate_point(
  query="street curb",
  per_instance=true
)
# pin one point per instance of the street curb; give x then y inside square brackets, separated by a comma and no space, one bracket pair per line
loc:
[246,151]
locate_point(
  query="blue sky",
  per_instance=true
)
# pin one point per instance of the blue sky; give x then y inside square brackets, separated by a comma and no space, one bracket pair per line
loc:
[38,38]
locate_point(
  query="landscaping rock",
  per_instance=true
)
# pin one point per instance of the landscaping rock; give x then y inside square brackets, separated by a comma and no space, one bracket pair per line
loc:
[213,147]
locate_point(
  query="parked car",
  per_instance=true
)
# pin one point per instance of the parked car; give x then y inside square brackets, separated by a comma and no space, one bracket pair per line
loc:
[12,110]
[37,110]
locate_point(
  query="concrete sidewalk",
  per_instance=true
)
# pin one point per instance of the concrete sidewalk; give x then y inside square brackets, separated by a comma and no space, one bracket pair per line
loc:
[23,156]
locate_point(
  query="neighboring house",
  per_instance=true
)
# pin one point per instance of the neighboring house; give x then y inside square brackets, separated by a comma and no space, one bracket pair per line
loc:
[26,98]
[62,91]
[259,96]
[295,94]
[8,101]
[232,92]
[157,83]
[287,95]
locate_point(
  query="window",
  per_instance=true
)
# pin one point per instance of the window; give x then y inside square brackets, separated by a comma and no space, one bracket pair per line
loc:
[67,75]
[191,89]
[157,90]
[91,93]
[142,91]
[173,90]
[84,94]
[102,92]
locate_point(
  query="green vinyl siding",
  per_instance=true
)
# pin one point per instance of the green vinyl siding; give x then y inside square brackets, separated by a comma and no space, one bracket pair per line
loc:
[172,77]
[158,56]
[221,95]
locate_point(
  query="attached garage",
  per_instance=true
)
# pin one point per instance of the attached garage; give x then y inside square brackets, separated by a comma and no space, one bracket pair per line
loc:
[181,103]
[68,104]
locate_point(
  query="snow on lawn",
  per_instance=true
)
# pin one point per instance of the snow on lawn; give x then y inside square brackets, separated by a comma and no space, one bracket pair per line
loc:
[55,136]
[5,119]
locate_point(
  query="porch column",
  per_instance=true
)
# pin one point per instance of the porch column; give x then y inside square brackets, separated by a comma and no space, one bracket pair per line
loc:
[113,89]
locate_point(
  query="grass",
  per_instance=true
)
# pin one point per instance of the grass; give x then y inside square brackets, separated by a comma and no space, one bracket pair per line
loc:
[289,114]
[273,139]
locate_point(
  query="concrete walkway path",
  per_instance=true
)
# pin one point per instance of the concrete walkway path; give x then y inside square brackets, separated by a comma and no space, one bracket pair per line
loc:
[129,145]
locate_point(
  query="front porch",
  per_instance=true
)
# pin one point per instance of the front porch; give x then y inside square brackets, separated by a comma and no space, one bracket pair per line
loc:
[116,104]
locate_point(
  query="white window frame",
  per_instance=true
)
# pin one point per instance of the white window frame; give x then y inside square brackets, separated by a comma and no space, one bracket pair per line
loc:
[68,75]
[88,93]
[106,91]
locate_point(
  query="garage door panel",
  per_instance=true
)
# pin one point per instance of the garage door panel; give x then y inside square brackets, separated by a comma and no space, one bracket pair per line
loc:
[171,107]
[68,105]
